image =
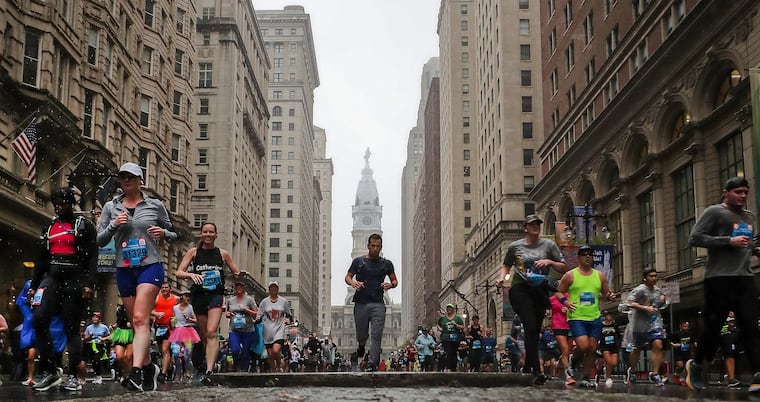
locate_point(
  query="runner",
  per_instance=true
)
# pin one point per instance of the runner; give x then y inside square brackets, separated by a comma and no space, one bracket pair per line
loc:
[241,310]
[122,337]
[95,336]
[561,330]
[184,333]
[609,344]
[204,265]
[273,313]
[162,316]
[682,343]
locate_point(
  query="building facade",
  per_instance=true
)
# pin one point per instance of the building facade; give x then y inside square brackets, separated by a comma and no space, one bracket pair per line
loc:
[229,152]
[323,171]
[96,78]
[292,235]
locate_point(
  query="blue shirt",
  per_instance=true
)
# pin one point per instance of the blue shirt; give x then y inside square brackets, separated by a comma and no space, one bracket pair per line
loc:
[97,332]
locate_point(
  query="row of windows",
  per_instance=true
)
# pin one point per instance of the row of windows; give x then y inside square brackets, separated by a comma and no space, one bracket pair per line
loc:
[279,32]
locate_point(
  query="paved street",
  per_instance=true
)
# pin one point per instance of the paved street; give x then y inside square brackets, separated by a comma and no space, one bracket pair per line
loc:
[320,387]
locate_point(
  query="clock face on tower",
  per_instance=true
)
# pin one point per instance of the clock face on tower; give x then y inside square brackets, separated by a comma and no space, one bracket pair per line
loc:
[367,220]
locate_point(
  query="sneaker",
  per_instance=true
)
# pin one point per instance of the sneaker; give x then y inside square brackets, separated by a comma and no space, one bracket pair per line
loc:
[170,373]
[694,376]
[570,381]
[49,381]
[755,383]
[608,383]
[206,378]
[539,379]
[733,383]
[150,375]
[630,377]
[586,383]
[97,380]
[28,381]
[72,384]
[656,379]
[161,378]
[370,368]
[135,381]
[360,351]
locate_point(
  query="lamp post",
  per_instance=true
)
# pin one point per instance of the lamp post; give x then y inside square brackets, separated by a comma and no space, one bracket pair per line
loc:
[587,216]
[486,286]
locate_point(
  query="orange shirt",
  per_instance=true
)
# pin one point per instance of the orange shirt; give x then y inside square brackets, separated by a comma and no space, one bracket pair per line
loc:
[165,306]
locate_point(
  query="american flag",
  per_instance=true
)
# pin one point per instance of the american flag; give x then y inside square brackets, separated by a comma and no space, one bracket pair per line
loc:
[25,146]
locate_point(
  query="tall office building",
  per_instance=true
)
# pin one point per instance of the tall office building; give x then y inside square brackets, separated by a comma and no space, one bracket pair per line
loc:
[292,236]
[94,78]
[229,156]
[458,151]
[323,171]
[414,149]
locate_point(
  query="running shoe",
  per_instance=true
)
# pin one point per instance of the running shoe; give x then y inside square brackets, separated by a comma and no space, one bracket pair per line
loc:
[135,381]
[72,384]
[586,383]
[161,378]
[206,378]
[694,377]
[755,383]
[733,383]
[150,376]
[608,383]
[569,380]
[28,381]
[539,379]
[49,381]
[656,379]
[97,380]
[630,377]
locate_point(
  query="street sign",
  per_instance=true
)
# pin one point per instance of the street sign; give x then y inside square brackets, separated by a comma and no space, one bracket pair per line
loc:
[672,291]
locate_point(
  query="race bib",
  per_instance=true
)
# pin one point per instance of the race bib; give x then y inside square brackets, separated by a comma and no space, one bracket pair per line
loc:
[535,279]
[133,251]
[609,339]
[489,348]
[37,299]
[684,347]
[453,337]
[211,279]
[161,331]
[238,321]
[476,344]
[587,299]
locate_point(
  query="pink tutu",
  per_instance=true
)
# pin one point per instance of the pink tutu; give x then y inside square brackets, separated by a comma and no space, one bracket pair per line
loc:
[184,335]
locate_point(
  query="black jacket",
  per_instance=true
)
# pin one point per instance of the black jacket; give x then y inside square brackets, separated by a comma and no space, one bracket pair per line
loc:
[85,241]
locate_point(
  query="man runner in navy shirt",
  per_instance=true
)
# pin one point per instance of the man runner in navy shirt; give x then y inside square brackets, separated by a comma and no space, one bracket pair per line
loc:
[367,276]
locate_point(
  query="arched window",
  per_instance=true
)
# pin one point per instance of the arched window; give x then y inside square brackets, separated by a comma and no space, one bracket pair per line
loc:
[277,111]
[677,128]
[730,81]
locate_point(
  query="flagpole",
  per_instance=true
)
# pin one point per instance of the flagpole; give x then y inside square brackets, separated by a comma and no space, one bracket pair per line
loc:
[63,166]
[21,126]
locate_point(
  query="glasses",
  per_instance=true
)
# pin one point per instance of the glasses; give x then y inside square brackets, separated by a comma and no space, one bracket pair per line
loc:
[586,253]
[126,176]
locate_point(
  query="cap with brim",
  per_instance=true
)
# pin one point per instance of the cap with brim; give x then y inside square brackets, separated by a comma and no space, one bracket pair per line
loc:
[450,305]
[584,248]
[273,283]
[241,283]
[184,292]
[735,182]
[131,168]
[532,218]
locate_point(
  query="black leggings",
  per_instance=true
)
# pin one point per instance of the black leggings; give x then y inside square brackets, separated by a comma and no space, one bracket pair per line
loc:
[724,294]
[64,297]
[450,347]
[530,303]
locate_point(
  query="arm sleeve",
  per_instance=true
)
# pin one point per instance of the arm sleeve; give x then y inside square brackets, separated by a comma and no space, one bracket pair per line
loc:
[106,228]
[166,223]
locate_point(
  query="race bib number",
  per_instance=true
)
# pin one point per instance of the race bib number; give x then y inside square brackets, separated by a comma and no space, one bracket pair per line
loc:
[609,339]
[489,348]
[133,251]
[238,321]
[211,279]
[453,337]
[37,299]
[161,331]
[476,344]
[684,347]
[587,298]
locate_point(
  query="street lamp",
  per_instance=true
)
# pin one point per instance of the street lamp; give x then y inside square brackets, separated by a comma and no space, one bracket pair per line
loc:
[587,217]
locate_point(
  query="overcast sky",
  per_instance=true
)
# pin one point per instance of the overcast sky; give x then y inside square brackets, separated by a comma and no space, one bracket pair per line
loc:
[370,55]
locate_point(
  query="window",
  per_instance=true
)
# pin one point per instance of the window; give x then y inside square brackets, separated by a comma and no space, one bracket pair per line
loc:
[277,77]
[524,27]
[276,126]
[527,157]
[142,161]
[568,14]
[554,82]
[109,58]
[465,121]
[552,7]
[177,103]
[180,20]
[467,188]
[150,9]
[199,220]
[293,46]
[611,89]
[463,26]
[276,111]
[588,116]
[467,221]
[571,96]
[291,126]
[274,272]
[553,41]
[274,242]
[293,32]
[588,28]
[528,183]
[639,6]
[640,56]
[590,70]
[292,62]
[92,46]
[291,112]
[463,9]
[176,143]
[466,154]
[569,138]
[208,13]
[646,222]
[204,75]
[465,73]
[683,187]
[465,41]
[731,158]
[674,16]
[203,156]
[466,171]
[570,57]
[613,39]
[466,106]
[105,122]
[276,140]
[203,131]
[179,57]
[524,4]
[527,130]
[278,32]
[203,106]
[276,169]
[145,111]
[275,183]
[274,257]
[465,89]
[527,104]
[525,78]
[277,47]
[31,57]
[525,52]
[465,57]
[276,155]
[276,94]
[277,62]
[89,100]
[173,195]
[608,6]
[202,182]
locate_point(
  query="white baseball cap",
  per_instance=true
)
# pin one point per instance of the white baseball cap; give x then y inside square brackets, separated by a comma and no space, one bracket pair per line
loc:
[131,168]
